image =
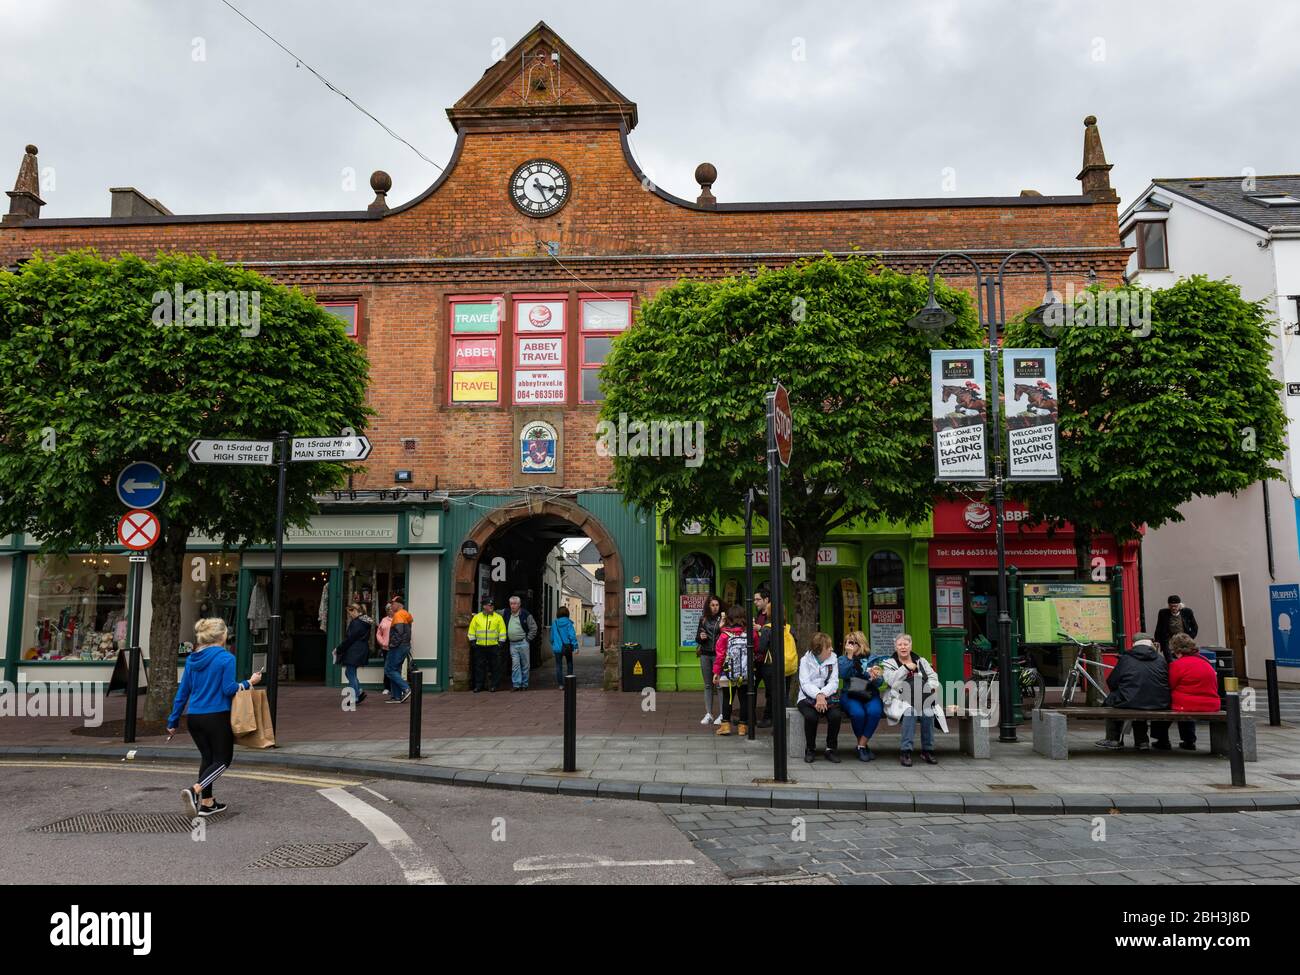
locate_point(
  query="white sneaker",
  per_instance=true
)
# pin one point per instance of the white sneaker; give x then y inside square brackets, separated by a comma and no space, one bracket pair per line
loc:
[707,718]
[718,720]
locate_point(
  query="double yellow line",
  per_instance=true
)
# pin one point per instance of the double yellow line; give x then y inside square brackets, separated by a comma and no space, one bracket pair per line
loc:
[286,778]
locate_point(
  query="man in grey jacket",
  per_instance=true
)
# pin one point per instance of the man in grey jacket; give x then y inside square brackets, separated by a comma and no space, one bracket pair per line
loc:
[521,631]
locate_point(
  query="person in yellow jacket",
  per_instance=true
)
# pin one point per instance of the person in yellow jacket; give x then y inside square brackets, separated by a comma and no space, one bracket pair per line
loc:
[487,632]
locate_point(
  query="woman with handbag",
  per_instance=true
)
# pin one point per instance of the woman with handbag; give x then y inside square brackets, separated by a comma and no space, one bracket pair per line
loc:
[208,686]
[911,679]
[354,651]
[861,693]
[819,697]
[706,641]
[564,643]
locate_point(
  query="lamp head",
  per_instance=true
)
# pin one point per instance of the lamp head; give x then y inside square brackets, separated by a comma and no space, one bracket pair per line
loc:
[933,317]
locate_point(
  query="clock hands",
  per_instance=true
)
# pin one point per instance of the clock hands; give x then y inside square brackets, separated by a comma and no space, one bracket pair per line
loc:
[546,190]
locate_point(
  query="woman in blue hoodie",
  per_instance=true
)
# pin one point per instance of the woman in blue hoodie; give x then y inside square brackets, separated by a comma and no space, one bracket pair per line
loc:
[208,686]
[564,643]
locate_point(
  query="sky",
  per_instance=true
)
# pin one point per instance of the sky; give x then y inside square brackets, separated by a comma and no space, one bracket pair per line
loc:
[188,103]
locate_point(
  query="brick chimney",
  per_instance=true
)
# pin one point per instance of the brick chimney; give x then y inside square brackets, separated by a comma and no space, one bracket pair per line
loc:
[24,199]
[130,202]
[1095,175]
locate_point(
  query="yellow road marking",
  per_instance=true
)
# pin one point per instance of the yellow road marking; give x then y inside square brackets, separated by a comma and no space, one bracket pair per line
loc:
[314,781]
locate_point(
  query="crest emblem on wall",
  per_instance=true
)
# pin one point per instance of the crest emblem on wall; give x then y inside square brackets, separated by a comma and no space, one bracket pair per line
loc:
[537,448]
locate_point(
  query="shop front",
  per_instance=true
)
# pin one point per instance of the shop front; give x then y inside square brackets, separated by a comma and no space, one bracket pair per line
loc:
[67,615]
[869,577]
[963,584]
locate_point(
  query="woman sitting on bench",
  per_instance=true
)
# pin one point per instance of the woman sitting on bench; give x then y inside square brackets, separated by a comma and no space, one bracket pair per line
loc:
[1193,686]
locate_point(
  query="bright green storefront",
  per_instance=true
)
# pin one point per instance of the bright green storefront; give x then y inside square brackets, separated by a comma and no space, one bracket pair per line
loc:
[870,576]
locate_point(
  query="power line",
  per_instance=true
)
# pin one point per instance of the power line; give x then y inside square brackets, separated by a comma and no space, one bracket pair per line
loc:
[323,80]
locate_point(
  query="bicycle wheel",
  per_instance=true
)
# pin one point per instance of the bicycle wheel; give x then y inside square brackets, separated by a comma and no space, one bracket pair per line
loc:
[1071,682]
[1033,695]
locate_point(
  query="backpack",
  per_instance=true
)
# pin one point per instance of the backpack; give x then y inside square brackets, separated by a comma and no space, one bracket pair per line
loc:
[791,654]
[735,664]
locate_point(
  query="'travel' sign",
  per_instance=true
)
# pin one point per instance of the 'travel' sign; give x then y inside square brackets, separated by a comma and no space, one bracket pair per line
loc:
[784,424]
[231,452]
[330,448]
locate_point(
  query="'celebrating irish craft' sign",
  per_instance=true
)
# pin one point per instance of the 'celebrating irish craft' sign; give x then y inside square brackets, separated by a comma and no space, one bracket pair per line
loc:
[959,408]
[1029,390]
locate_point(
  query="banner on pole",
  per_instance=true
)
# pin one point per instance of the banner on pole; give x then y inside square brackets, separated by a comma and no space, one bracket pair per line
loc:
[959,408]
[1033,419]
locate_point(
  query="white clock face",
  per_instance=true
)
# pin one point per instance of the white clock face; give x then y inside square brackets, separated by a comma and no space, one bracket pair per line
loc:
[539,187]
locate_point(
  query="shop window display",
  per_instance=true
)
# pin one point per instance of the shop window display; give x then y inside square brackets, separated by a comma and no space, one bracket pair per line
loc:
[75,608]
[370,579]
[211,590]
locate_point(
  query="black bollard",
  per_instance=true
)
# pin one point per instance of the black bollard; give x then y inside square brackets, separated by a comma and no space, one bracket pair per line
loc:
[415,677]
[570,723]
[1235,757]
[132,692]
[1274,701]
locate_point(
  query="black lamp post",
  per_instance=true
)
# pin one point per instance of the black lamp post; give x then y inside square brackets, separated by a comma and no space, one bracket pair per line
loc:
[990,301]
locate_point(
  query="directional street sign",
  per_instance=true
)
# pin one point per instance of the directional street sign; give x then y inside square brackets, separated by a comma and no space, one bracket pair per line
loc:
[140,485]
[232,452]
[330,448]
[138,530]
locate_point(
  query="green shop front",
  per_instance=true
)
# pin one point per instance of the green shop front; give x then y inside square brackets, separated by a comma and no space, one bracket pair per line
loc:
[67,615]
[872,577]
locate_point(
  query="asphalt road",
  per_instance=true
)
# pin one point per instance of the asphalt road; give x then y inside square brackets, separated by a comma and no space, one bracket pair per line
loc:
[411,833]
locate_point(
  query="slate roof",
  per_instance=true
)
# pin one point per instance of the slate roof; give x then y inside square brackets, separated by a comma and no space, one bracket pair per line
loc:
[1226,195]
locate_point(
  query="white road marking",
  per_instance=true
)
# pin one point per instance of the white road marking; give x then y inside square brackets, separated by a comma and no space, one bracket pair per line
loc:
[376,794]
[391,837]
[582,861]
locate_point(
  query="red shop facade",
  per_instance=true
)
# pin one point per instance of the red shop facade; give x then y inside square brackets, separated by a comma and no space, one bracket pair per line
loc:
[963,562]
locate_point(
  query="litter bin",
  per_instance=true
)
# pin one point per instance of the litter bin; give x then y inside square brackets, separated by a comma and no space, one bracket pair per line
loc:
[949,648]
[1223,667]
[638,670]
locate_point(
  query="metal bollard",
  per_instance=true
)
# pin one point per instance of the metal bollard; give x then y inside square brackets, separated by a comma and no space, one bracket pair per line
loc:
[1274,700]
[570,723]
[1235,757]
[415,677]
[132,692]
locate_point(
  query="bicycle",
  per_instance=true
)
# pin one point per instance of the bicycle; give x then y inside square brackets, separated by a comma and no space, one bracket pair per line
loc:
[1080,669]
[1033,689]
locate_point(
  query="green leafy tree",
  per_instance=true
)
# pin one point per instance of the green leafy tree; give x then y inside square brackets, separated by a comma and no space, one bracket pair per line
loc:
[102,368]
[835,333]
[1164,396]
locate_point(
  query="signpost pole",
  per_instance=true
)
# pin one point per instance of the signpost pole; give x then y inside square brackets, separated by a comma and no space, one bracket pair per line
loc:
[776,561]
[749,600]
[1006,678]
[133,648]
[273,651]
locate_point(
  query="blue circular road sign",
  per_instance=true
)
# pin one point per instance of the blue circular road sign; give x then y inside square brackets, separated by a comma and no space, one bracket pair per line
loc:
[140,485]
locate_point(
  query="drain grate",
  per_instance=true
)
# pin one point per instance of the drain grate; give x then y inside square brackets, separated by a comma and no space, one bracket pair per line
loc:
[119,823]
[306,855]
[1011,787]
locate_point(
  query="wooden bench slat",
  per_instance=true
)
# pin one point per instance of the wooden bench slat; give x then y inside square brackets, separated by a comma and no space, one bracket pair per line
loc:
[1132,714]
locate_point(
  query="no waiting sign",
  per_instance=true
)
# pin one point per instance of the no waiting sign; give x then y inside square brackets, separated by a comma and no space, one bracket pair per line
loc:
[138,530]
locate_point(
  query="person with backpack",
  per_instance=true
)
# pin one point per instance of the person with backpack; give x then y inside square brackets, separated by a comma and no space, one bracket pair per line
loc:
[731,668]
[564,643]
[819,697]
[861,695]
[706,641]
[768,656]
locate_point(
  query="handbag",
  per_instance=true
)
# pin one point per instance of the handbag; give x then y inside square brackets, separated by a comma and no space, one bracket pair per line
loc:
[858,689]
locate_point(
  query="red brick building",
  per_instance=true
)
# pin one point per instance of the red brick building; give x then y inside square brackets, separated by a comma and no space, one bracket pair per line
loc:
[545,264]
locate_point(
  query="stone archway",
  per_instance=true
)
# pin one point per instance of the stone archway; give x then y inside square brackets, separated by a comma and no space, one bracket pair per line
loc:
[495,523]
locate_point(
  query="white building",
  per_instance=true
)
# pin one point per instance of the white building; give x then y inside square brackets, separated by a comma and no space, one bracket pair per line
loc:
[1225,556]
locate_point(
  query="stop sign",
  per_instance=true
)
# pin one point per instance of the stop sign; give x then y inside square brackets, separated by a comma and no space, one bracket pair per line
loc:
[783,424]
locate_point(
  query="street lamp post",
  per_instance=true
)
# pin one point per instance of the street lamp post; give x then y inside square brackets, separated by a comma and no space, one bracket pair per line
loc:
[990,302]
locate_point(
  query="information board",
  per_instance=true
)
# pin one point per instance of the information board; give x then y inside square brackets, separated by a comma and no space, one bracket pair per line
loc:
[1081,609]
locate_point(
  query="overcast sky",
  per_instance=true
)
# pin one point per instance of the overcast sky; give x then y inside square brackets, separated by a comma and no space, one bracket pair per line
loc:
[185,101]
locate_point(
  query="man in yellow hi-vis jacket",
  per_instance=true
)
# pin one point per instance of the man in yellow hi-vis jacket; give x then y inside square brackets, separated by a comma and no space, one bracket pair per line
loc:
[487,632]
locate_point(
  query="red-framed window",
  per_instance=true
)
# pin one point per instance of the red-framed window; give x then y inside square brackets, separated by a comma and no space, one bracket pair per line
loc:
[539,373]
[348,312]
[601,317]
[474,349]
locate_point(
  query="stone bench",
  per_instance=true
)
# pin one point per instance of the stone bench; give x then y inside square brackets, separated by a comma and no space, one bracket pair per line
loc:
[1050,726]
[972,733]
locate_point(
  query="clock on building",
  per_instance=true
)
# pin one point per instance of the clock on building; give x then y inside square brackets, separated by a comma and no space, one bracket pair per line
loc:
[539,187]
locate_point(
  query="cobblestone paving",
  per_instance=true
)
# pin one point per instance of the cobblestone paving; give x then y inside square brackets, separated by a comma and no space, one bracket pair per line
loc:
[913,848]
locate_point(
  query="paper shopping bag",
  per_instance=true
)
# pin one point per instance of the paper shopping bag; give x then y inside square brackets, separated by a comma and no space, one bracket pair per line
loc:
[263,735]
[243,713]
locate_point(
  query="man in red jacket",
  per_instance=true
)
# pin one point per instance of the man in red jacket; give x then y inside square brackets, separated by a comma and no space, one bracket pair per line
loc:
[1193,686]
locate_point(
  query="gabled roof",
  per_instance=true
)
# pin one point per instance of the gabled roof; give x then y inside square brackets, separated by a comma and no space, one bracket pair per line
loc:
[1229,196]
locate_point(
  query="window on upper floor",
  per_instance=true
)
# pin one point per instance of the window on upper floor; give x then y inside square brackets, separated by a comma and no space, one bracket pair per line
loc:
[348,312]
[601,319]
[1152,251]
[475,361]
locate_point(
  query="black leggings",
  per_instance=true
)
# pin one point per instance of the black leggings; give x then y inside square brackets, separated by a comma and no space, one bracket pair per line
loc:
[211,732]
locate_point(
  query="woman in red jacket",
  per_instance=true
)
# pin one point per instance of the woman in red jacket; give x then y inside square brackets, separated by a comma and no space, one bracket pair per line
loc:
[1193,686]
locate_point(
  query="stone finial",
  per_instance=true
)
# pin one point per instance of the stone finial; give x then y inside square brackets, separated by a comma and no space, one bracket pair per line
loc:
[1095,175]
[705,175]
[381,183]
[24,199]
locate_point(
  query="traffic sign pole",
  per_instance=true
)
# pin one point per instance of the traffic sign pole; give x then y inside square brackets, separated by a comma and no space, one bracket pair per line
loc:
[277,573]
[776,561]
[133,649]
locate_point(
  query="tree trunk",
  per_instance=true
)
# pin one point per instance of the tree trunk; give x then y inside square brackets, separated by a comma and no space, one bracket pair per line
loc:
[805,618]
[166,565]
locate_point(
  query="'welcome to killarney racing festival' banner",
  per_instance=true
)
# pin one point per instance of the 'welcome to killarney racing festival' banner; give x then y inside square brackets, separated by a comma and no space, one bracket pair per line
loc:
[961,414]
[1029,390]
